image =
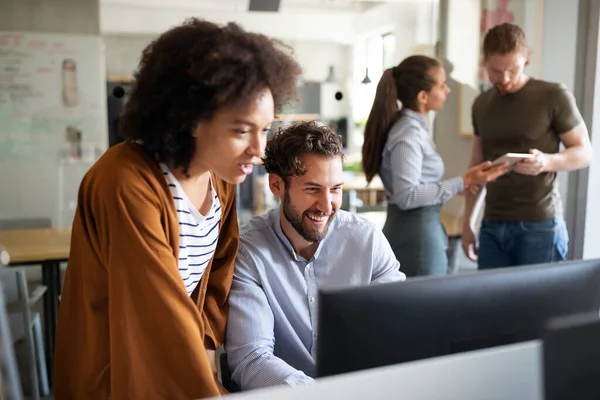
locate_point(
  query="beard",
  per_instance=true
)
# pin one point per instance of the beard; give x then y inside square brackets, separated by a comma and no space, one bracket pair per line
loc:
[296,219]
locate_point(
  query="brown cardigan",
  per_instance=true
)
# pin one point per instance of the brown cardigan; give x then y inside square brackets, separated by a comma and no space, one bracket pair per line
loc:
[126,327]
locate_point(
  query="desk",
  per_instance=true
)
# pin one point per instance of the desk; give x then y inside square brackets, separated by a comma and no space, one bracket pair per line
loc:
[501,373]
[48,247]
[358,183]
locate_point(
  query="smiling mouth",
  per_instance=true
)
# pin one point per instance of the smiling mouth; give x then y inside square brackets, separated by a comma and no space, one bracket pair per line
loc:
[246,168]
[315,218]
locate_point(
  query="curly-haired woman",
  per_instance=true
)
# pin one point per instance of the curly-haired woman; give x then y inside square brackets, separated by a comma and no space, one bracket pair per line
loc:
[155,234]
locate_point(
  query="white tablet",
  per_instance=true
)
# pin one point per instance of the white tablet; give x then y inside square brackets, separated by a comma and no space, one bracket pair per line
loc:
[512,158]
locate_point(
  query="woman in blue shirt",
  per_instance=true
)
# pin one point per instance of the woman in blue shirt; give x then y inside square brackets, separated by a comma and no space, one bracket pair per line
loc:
[399,147]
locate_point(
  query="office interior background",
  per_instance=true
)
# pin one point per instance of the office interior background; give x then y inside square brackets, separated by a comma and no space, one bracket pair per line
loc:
[87,48]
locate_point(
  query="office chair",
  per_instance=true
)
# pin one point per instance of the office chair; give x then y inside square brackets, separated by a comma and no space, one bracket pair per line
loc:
[226,380]
[25,324]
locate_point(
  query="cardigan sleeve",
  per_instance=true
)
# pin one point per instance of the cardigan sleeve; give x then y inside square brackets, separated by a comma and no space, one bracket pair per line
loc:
[155,329]
[215,307]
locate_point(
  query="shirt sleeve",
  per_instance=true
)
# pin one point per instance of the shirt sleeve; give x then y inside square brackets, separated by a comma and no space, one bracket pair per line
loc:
[250,334]
[566,115]
[386,268]
[406,152]
[150,315]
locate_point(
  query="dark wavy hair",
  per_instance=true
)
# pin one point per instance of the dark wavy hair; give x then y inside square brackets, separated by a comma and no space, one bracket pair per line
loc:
[286,147]
[193,70]
[400,83]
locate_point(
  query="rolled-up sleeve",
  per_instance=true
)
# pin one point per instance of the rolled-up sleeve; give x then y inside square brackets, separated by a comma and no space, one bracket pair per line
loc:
[250,335]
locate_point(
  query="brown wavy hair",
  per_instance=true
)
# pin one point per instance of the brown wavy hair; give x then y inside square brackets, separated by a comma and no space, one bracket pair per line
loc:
[504,39]
[286,147]
[193,70]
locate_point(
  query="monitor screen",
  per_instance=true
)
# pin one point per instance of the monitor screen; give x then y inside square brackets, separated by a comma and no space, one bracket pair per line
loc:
[383,324]
[571,349]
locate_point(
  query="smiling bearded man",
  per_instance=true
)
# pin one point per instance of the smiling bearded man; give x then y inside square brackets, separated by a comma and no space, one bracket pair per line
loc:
[289,253]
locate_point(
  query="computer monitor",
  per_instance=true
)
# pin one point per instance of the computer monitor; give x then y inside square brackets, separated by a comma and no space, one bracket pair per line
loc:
[370,326]
[571,351]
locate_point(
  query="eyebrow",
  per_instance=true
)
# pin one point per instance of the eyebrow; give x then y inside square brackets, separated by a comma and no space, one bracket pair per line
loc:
[243,122]
[315,184]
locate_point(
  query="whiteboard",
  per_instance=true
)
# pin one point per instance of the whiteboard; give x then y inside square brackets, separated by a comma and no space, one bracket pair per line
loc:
[48,84]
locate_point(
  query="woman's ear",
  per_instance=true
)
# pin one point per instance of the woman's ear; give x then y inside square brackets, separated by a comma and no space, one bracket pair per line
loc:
[422,98]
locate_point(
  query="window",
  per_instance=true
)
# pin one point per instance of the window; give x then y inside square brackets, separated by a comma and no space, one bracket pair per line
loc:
[389,50]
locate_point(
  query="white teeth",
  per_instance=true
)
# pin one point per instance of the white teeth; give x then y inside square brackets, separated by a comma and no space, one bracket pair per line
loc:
[318,219]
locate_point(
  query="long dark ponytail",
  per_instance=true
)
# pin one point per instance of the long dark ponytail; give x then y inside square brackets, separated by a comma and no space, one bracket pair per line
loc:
[403,83]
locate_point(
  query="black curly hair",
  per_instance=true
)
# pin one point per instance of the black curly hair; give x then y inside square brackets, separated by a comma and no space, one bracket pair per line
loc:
[193,70]
[284,149]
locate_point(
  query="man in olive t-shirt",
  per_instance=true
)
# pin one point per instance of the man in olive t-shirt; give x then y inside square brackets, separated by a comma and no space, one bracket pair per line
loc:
[523,219]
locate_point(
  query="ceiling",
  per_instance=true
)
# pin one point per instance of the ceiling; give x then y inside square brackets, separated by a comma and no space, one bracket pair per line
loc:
[322,20]
[286,6]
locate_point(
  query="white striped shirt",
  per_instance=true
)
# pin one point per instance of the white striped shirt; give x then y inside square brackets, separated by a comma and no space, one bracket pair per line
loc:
[411,168]
[198,234]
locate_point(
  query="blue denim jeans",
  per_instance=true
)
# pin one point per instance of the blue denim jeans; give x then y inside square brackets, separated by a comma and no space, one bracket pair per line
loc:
[507,244]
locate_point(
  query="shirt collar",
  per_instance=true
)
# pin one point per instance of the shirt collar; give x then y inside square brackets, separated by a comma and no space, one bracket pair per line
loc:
[276,220]
[415,115]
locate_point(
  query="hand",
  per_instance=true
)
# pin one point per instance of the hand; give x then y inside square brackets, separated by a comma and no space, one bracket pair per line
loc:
[470,190]
[532,166]
[212,360]
[469,244]
[484,173]
[222,390]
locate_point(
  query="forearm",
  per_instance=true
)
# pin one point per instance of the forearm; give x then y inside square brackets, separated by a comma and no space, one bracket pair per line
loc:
[429,194]
[265,370]
[570,159]
[470,200]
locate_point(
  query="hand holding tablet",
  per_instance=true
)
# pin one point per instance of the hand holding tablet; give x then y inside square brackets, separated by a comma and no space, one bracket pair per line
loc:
[512,158]
[483,173]
[533,163]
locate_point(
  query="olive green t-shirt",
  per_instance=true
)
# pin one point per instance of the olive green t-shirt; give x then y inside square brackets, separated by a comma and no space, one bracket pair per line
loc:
[534,117]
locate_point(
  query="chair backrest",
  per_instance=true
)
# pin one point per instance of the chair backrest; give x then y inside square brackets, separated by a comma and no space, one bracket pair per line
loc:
[25,223]
[10,387]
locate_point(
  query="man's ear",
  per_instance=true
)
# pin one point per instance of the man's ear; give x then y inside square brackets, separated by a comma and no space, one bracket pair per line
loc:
[276,185]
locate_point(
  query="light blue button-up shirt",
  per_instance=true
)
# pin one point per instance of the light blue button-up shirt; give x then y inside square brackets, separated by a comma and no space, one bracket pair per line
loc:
[411,168]
[272,326]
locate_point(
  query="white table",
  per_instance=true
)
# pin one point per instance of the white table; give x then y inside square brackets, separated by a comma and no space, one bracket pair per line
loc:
[501,373]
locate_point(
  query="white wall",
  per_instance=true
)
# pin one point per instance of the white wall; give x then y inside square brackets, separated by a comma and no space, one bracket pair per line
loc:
[584,186]
[315,57]
[462,45]
[559,66]
[309,26]
[52,16]
[33,186]
[123,54]
[414,26]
